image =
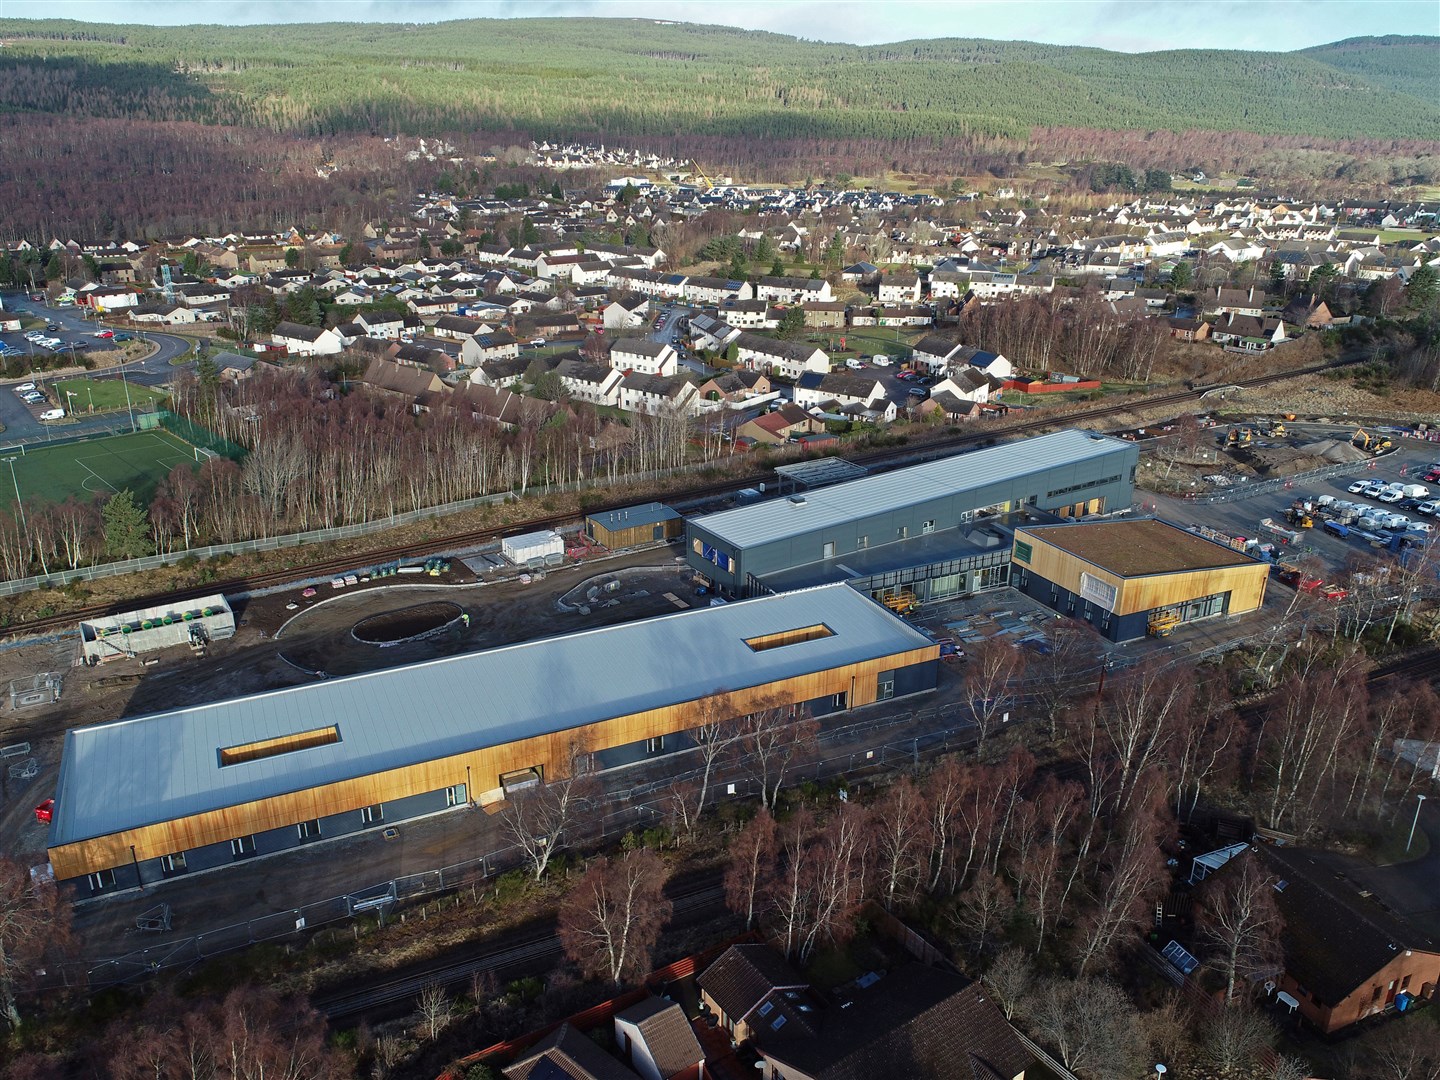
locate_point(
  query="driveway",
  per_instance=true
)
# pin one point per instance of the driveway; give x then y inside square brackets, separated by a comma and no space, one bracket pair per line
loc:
[1411,889]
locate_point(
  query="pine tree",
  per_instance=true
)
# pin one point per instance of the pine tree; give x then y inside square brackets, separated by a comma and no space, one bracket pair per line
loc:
[127,536]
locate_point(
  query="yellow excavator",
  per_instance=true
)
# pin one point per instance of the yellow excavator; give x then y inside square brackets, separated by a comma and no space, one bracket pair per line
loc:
[1239,436]
[1371,444]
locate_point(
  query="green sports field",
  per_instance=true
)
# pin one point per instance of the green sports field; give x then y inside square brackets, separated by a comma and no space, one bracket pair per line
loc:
[103,395]
[95,467]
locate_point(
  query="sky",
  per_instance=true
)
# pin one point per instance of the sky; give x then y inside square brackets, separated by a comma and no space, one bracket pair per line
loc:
[1125,25]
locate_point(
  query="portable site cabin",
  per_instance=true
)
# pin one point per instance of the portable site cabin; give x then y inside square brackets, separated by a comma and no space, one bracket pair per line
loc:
[547,546]
[634,525]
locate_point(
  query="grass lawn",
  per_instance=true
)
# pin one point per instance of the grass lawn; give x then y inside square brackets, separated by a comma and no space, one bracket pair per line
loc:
[98,466]
[103,395]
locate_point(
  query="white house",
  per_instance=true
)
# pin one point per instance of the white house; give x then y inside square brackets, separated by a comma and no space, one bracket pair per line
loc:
[789,290]
[788,358]
[644,356]
[482,348]
[381,324]
[655,394]
[307,340]
[899,289]
[597,384]
[626,313]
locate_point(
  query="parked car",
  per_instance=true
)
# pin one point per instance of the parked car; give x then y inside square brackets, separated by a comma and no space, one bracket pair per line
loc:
[1390,495]
[1358,487]
[107,334]
[53,414]
[854,363]
[1428,508]
[52,327]
[25,388]
[122,337]
[1374,489]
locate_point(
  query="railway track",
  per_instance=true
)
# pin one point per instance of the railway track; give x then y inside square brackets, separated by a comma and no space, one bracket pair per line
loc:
[475,537]
[537,948]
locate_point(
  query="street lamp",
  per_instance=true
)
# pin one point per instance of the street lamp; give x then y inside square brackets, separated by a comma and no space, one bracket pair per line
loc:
[1420,797]
[20,508]
[1160,1071]
[68,407]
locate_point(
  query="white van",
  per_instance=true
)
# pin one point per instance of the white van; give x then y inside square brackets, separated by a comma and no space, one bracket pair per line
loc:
[854,363]
[53,414]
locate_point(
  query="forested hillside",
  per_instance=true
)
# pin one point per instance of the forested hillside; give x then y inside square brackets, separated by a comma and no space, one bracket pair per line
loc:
[613,77]
[1410,65]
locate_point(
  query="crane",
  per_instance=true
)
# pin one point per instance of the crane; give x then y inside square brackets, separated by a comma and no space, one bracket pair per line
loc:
[706,183]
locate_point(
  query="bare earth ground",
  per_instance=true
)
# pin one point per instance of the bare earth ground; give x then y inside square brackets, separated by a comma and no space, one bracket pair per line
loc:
[315,637]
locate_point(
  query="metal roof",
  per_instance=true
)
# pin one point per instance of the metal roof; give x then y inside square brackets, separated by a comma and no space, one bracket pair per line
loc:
[781,519]
[818,472]
[628,517]
[154,768]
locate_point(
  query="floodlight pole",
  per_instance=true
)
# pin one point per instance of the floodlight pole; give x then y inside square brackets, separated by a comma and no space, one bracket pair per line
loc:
[1420,797]
[128,409]
[19,507]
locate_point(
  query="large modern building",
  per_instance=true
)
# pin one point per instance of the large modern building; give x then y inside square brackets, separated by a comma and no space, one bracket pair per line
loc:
[930,529]
[152,796]
[1130,578]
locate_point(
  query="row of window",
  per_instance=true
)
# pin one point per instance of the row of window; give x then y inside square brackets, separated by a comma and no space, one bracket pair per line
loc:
[1082,487]
[242,847]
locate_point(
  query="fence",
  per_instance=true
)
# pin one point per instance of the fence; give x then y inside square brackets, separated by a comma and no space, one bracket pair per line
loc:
[196,435]
[635,813]
[1246,491]
[60,578]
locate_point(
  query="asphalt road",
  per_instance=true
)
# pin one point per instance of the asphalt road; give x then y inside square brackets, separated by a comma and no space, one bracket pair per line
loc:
[22,423]
[1242,516]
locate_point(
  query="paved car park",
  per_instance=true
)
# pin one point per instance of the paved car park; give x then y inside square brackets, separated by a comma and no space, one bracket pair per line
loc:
[1242,516]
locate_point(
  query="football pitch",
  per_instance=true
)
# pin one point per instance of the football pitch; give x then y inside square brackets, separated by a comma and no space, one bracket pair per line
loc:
[97,467]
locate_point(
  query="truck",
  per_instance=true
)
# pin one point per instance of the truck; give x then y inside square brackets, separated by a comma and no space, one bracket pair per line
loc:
[1336,528]
[1287,536]
[1414,491]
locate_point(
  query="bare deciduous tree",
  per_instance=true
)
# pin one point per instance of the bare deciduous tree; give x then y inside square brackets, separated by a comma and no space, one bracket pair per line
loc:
[542,819]
[34,923]
[612,918]
[433,1010]
[1240,921]
[992,678]
[752,862]
[1010,978]
[766,743]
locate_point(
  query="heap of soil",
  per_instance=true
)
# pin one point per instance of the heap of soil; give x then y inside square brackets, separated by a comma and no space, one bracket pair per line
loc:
[390,627]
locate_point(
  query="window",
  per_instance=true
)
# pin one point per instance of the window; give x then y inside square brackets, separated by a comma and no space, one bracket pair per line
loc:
[1405,983]
[927,526]
[885,687]
[861,543]
[1374,994]
[655,745]
[455,796]
[788,637]
[283,744]
[903,533]
[828,551]
[173,864]
[766,1009]
[101,880]
[308,830]
[838,701]
[242,846]
[372,815]
[778,1022]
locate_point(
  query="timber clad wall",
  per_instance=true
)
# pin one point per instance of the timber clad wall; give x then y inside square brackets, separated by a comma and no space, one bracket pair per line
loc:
[1246,584]
[479,770]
